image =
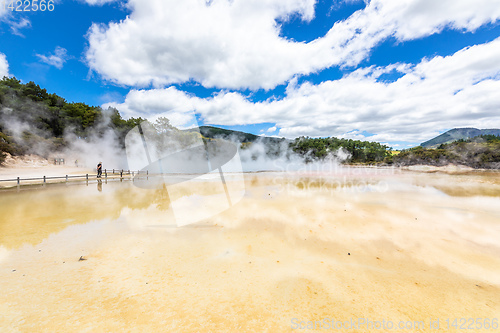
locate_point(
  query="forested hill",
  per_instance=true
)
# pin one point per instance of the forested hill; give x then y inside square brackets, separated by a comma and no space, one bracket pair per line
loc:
[216,132]
[29,115]
[356,151]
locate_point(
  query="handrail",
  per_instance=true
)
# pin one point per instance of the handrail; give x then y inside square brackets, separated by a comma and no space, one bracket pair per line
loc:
[105,173]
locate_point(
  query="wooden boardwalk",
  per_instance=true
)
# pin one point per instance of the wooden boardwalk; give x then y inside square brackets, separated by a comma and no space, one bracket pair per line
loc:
[106,174]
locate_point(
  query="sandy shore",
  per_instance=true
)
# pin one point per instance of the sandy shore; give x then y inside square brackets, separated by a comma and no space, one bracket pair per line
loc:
[294,250]
[49,170]
[31,166]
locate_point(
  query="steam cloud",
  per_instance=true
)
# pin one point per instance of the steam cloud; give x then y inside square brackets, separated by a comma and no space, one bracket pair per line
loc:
[102,143]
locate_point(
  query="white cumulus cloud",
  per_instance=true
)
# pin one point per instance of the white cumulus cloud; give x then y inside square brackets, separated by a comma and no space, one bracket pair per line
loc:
[4,66]
[221,43]
[237,44]
[459,90]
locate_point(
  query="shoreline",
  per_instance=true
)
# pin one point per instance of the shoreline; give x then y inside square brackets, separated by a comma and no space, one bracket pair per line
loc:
[9,174]
[450,168]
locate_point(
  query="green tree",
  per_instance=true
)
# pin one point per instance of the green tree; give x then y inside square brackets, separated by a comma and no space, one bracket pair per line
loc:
[34,92]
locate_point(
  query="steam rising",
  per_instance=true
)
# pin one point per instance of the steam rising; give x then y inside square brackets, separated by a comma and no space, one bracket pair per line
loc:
[102,143]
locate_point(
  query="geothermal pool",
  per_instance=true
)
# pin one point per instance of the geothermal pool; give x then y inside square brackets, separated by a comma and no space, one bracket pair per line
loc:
[297,250]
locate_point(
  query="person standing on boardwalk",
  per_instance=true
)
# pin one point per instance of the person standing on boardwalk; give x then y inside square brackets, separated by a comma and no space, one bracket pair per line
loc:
[99,170]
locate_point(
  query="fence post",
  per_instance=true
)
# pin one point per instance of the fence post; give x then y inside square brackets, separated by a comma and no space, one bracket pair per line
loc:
[66,178]
[105,174]
[121,173]
[18,181]
[113,171]
[87,175]
[44,181]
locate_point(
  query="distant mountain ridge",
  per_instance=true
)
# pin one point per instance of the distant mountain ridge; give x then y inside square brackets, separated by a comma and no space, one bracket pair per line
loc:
[457,134]
[217,132]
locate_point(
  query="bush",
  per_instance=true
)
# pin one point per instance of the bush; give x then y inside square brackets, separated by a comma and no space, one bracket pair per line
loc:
[479,152]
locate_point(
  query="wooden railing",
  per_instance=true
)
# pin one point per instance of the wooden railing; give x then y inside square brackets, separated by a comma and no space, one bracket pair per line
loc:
[87,176]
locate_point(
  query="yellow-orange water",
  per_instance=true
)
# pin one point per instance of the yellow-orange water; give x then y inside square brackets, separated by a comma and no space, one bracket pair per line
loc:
[400,247]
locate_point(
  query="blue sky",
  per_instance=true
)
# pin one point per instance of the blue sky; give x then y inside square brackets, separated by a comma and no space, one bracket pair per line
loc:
[393,71]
